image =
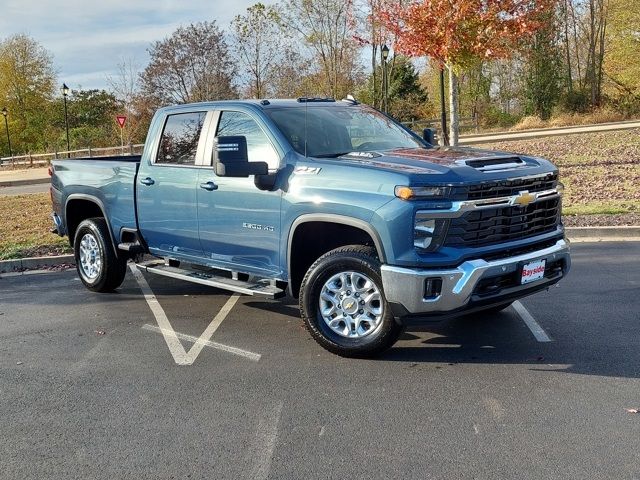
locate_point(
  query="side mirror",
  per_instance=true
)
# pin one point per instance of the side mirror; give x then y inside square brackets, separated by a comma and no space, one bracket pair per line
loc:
[231,159]
[429,136]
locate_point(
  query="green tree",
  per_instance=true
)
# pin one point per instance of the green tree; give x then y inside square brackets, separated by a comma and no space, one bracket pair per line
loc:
[27,85]
[543,67]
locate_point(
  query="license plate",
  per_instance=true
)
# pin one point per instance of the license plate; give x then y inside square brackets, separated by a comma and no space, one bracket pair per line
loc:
[532,271]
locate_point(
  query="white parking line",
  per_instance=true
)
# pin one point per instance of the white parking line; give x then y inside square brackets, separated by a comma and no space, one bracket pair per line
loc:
[530,322]
[266,438]
[180,356]
[208,343]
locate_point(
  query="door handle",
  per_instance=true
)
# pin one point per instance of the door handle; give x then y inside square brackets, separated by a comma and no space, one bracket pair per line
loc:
[209,186]
[147,181]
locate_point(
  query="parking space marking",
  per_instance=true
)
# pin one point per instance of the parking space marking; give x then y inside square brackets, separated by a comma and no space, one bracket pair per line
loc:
[530,322]
[266,437]
[208,343]
[180,356]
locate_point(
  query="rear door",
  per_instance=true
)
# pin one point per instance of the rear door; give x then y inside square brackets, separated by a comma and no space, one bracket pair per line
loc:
[240,224]
[166,190]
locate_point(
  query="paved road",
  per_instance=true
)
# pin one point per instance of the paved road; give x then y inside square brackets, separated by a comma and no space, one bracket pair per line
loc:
[24,189]
[472,398]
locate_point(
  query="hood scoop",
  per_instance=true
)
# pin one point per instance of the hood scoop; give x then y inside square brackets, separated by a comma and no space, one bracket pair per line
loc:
[495,164]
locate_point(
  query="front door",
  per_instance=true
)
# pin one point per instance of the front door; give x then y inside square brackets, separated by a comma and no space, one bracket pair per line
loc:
[167,189]
[240,224]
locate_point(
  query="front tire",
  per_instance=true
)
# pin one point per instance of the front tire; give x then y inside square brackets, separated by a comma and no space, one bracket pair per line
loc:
[98,266]
[343,306]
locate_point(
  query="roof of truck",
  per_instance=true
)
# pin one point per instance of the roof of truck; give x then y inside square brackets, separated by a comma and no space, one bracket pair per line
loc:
[276,103]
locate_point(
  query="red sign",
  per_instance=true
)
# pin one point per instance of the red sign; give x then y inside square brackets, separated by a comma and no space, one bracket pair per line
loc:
[121,119]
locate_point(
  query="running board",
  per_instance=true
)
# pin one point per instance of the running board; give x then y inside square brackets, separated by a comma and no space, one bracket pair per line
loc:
[211,279]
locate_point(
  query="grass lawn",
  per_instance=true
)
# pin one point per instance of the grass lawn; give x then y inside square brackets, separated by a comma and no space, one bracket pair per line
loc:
[600,171]
[25,227]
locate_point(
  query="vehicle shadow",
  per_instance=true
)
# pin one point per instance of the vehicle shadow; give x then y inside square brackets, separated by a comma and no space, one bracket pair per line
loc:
[496,339]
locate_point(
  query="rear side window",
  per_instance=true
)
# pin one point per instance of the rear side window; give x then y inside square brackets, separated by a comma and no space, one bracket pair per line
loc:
[259,147]
[179,141]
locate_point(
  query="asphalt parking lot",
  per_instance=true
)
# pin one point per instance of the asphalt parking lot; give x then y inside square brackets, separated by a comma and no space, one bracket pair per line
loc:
[95,385]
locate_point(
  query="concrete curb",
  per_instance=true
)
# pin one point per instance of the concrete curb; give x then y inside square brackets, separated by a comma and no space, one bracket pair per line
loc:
[603,234]
[18,183]
[34,263]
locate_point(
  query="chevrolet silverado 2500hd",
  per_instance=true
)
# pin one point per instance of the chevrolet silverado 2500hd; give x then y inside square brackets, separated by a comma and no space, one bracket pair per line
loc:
[365,222]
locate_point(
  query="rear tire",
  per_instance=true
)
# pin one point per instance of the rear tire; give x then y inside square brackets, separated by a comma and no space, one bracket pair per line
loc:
[343,305]
[98,266]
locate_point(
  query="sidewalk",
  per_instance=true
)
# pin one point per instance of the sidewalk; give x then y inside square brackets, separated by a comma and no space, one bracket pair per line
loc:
[12,178]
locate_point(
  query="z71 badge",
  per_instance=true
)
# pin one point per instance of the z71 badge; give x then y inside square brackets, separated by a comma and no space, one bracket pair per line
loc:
[255,226]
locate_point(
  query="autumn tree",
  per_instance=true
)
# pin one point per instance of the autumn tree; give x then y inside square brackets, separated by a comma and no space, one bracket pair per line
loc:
[257,41]
[192,65]
[458,34]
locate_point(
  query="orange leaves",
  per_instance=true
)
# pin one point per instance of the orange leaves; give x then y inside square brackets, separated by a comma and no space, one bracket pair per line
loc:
[457,32]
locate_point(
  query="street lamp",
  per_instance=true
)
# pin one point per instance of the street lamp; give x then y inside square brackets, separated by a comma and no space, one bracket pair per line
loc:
[6,126]
[65,93]
[385,81]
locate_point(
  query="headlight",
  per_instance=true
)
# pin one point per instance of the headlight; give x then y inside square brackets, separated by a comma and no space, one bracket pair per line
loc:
[428,233]
[411,193]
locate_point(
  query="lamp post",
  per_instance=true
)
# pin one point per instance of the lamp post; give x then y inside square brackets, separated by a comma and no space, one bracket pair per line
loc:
[385,80]
[65,93]
[6,126]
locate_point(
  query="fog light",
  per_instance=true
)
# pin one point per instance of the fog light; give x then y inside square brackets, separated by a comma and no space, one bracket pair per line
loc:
[432,287]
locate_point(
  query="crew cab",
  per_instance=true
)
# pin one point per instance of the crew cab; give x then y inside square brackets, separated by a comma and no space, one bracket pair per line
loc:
[369,225]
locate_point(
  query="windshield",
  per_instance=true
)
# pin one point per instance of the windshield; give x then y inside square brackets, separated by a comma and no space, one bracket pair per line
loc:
[332,131]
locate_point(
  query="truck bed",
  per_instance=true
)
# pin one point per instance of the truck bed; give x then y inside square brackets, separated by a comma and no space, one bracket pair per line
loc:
[108,181]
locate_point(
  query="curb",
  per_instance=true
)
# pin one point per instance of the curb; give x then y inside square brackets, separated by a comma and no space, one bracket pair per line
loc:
[18,183]
[34,263]
[603,234]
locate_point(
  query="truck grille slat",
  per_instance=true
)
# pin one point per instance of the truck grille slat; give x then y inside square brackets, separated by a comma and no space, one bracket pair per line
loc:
[505,188]
[503,224]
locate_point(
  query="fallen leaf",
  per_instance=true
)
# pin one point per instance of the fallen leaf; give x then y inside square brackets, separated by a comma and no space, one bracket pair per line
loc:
[100,332]
[18,363]
[632,410]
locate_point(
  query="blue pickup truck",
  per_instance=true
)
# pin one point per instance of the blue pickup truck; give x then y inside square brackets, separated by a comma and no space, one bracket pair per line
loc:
[369,225]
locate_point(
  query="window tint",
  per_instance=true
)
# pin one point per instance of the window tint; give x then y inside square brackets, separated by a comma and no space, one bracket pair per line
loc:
[180,137]
[259,147]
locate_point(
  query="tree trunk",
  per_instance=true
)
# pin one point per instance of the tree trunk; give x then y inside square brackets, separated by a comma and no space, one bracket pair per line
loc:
[454,123]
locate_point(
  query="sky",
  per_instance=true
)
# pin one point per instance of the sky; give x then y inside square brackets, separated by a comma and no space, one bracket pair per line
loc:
[88,38]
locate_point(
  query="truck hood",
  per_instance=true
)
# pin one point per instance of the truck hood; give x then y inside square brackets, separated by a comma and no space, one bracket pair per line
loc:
[439,159]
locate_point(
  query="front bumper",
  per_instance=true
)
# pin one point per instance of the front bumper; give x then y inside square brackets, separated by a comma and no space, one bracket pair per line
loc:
[474,283]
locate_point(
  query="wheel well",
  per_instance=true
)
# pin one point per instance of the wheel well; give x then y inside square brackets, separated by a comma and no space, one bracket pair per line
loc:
[311,240]
[78,210]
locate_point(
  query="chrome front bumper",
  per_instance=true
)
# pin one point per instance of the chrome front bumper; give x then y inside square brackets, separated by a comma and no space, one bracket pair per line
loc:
[406,286]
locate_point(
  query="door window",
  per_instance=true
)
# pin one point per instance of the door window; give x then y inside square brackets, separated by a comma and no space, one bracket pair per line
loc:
[259,147]
[180,137]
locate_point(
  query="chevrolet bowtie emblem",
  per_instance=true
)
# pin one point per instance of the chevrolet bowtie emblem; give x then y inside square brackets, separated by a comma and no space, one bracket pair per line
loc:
[349,305]
[524,198]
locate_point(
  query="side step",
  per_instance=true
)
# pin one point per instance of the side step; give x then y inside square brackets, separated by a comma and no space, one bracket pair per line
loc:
[131,247]
[211,279]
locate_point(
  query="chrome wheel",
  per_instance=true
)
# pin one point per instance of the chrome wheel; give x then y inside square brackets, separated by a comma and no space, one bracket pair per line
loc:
[90,260]
[351,305]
